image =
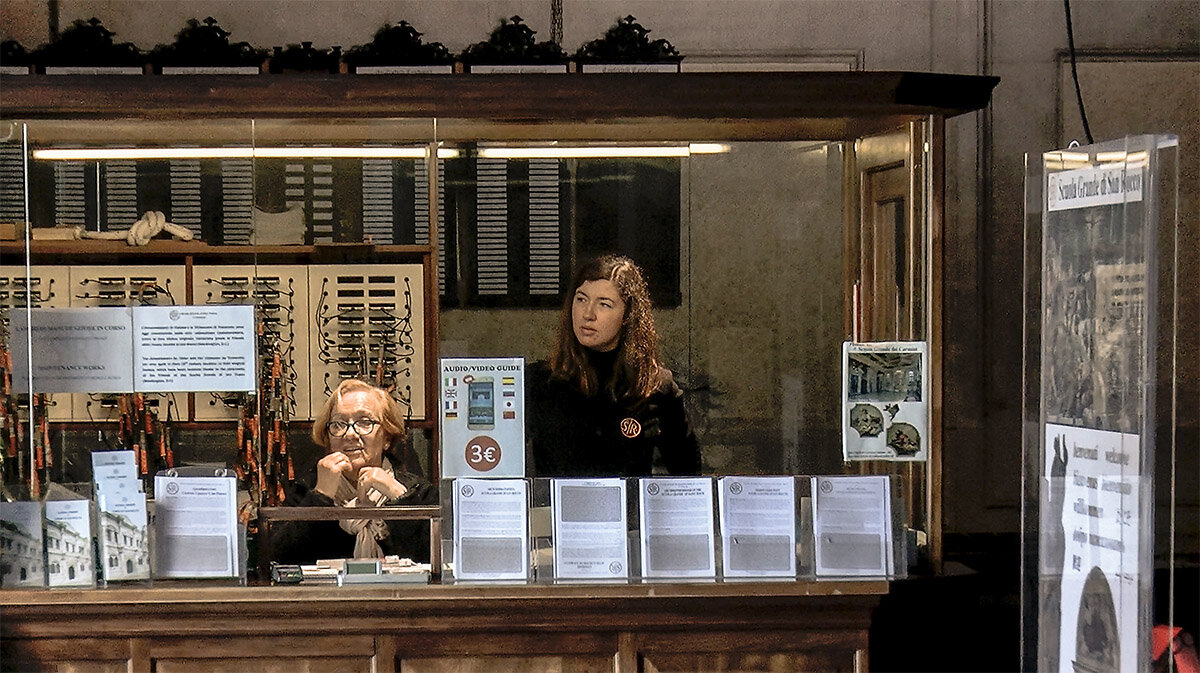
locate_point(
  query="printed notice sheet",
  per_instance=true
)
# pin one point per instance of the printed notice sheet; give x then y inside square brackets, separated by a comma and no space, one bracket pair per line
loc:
[852,526]
[171,348]
[1100,473]
[885,412]
[194,348]
[590,541]
[758,526]
[491,529]
[196,528]
[74,350]
[677,527]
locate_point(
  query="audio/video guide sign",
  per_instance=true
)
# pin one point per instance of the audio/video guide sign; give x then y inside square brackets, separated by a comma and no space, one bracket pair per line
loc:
[482,417]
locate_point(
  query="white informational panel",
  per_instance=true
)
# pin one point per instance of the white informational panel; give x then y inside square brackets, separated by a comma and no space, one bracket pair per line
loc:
[482,417]
[885,409]
[1099,524]
[73,349]
[491,529]
[194,348]
[134,349]
[677,537]
[590,540]
[758,526]
[1101,230]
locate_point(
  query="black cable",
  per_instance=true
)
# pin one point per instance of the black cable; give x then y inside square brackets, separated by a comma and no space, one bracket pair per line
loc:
[1087,131]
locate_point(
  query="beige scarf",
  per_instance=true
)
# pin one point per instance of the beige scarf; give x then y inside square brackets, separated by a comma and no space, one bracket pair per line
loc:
[367,532]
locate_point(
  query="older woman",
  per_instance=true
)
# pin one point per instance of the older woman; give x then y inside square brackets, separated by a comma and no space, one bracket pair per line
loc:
[362,428]
[604,405]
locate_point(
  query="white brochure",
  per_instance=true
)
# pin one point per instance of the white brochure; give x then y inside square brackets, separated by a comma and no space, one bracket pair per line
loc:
[115,471]
[491,529]
[758,526]
[590,539]
[121,517]
[852,526]
[677,527]
[195,525]
[69,561]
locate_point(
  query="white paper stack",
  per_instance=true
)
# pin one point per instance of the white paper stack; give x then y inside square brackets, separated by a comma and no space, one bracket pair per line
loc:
[121,521]
[758,526]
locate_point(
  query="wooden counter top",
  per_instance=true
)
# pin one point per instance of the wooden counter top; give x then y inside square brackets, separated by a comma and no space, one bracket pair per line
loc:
[682,626]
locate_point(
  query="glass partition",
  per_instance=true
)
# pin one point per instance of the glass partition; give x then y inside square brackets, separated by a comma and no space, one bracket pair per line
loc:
[762,257]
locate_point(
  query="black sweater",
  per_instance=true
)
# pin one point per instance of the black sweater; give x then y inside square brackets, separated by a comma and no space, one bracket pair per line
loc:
[573,435]
[307,541]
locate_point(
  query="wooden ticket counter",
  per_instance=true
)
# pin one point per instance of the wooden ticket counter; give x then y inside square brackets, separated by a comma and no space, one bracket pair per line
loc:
[752,626]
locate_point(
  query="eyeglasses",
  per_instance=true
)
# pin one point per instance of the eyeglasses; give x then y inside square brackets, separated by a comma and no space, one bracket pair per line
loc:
[362,427]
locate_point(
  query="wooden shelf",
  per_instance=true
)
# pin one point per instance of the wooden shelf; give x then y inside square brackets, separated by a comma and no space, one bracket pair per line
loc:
[118,251]
[716,106]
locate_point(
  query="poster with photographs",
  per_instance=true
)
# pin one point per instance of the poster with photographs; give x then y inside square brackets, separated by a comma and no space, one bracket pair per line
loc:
[885,408]
[1094,297]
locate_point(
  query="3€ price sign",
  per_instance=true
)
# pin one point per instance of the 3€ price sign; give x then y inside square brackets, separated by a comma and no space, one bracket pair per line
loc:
[483,453]
[482,417]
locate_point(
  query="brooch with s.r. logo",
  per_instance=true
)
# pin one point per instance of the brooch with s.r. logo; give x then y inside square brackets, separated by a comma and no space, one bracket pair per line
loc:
[631,428]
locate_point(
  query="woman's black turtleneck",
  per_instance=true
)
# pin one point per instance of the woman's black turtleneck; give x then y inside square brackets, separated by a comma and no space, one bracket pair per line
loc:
[570,434]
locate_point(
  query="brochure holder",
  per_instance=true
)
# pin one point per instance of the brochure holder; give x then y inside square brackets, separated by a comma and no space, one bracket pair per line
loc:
[486,534]
[584,530]
[69,526]
[677,529]
[858,527]
[1100,347]
[195,531]
[693,529]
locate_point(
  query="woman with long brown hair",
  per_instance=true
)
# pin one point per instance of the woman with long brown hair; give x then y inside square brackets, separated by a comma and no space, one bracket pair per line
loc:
[604,405]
